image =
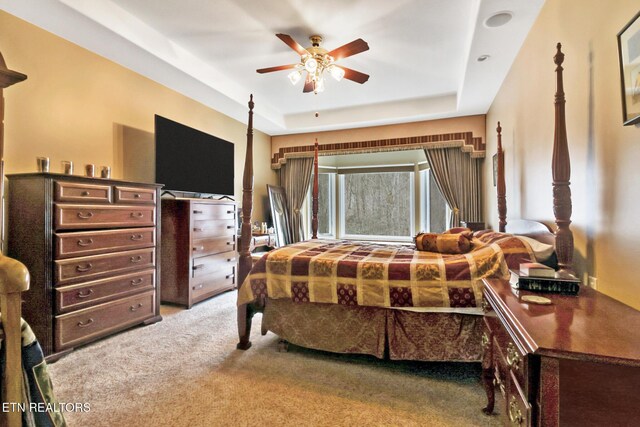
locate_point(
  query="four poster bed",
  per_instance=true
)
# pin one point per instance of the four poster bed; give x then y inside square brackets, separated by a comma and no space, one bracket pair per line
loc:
[393,301]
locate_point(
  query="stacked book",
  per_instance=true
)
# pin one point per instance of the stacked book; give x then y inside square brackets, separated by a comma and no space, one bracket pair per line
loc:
[537,277]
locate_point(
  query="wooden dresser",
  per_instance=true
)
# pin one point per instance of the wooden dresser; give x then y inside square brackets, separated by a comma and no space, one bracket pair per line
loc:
[198,249]
[90,247]
[575,362]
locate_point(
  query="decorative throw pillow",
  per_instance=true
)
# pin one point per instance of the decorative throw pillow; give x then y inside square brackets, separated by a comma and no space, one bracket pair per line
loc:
[457,230]
[444,243]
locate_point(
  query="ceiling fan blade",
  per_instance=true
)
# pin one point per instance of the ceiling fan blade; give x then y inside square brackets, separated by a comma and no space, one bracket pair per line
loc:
[278,68]
[292,44]
[354,75]
[308,85]
[349,49]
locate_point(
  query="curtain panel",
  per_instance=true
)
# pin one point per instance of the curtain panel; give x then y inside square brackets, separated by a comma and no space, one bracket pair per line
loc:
[295,178]
[459,178]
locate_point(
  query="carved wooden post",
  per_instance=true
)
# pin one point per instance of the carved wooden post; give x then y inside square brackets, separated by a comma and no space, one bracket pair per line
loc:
[14,279]
[244,260]
[501,186]
[314,194]
[561,169]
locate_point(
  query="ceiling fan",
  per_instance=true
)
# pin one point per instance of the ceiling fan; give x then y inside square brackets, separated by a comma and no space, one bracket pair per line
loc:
[315,60]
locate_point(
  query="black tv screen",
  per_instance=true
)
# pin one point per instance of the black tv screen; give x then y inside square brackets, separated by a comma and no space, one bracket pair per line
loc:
[188,160]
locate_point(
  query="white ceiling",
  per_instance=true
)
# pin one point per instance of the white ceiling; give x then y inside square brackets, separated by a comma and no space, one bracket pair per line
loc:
[422,58]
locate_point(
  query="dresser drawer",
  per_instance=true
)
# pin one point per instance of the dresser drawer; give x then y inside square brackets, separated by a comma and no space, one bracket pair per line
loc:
[213,263]
[98,266]
[82,193]
[86,294]
[510,356]
[213,245]
[203,229]
[70,217]
[212,211]
[80,326]
[96,242]
[210,284]
[518,409]
[135,195]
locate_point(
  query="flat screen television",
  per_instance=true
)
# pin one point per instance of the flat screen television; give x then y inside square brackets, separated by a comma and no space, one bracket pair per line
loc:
[188,160]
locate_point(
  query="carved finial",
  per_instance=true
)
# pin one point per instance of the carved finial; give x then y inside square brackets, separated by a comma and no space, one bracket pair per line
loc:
[499,128]
[558,59]
[251,102]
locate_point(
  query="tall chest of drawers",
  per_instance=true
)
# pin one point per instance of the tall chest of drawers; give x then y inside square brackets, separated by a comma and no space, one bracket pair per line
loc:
[198,249]
[91,247]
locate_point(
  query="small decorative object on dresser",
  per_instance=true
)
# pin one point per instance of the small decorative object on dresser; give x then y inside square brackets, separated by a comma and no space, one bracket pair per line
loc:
[557,285]
[90,246]
[198,249]
[571,361]
[536,269]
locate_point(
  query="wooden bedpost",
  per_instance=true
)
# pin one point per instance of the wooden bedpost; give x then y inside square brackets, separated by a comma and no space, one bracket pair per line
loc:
[314,194]
[14,279]
[244,261]
[501,186]
[561,169]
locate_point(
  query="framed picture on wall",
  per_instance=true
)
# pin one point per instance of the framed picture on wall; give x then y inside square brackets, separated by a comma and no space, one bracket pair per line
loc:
[629,55]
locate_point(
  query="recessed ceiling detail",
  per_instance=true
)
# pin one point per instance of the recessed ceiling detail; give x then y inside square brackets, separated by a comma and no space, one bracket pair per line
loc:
[422,57]
[498,20]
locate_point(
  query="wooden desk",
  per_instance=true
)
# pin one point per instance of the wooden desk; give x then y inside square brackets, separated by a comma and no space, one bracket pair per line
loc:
[574,362]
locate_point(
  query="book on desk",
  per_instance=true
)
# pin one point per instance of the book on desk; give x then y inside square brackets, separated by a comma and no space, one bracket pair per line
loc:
[555,285]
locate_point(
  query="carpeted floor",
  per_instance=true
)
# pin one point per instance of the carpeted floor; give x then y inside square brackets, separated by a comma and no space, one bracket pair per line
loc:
[185,371]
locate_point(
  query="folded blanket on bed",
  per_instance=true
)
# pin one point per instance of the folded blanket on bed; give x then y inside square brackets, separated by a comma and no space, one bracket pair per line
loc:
[41,407]
[356,273]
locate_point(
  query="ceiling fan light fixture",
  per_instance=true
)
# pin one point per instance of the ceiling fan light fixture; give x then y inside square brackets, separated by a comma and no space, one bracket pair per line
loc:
[295,76]
[336,72]
[310,64]
[319,86]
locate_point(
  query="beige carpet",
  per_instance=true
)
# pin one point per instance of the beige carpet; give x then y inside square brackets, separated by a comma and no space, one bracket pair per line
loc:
[185,371]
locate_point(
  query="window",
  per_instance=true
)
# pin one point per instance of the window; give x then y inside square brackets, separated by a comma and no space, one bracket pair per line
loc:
[326,210]
[434,215]
[377,205]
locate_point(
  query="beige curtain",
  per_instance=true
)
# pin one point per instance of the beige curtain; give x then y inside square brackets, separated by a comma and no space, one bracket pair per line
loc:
[459,178]
[295,177]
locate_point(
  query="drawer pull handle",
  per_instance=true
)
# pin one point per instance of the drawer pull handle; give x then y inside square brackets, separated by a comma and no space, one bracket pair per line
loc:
[513,357]
[229,243]
[197,212]
[231,259]
[198,248]
[83,215]
[515,414]
[137,282]
[200,286]
[229,227]
[81,294]
[136,196]
[135,307]
[85,324]
[197,267]
[85,242]
[197,229]
[135,259]
[485,341]
[137,214]
[136,237]
[85,194]
[229,276]
[230,212]
[84,269]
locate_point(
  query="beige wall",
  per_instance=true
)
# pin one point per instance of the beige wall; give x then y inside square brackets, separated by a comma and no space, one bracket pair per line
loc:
[76,105]
[605,179]
[475,124]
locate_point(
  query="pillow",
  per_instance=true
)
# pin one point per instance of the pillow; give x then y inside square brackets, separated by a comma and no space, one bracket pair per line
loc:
[541,251]
[457,230]
[444,243]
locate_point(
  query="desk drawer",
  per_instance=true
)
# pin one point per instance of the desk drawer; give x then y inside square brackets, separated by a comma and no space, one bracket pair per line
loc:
[86,294]
[203,229]
[98,266]
[82,193]
[510,356]
[69,217]
[212,211]
[96,242]
[83,325]
[135,195]
[518,409]
[213,245]
[213,263]
[208,285]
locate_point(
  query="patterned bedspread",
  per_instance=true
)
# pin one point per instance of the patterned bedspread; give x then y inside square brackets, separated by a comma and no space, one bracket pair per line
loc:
[356,273]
